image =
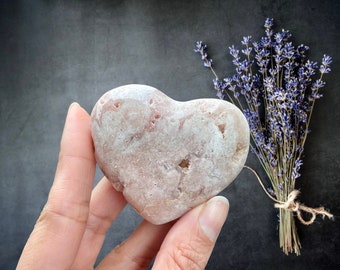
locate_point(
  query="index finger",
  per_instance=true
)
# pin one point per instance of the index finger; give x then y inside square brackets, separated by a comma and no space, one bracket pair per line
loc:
[55,239]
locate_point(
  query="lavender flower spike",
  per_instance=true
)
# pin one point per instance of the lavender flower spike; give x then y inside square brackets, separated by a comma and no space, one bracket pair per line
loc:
[201,49]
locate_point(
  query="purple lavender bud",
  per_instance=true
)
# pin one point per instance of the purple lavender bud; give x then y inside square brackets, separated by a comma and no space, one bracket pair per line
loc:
[278,37]
[207,62]
[326,61]
[220,94]
[288,50]
[247,51]
[269,32]
[233,51]
[228,81]
[311,66]
[317,85]
[297,165]
[265,42]
[268,23]
[302,49]
[246,40]
[271,192]
[286,34]
[200,47]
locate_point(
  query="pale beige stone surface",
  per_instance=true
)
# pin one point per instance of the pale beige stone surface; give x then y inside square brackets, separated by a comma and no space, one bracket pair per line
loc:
[167,156]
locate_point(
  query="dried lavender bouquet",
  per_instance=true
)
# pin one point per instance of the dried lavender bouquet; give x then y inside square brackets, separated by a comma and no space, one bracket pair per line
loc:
[275,86]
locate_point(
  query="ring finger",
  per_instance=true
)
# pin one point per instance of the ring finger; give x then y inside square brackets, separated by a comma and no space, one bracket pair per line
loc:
[138,250]
[105,205]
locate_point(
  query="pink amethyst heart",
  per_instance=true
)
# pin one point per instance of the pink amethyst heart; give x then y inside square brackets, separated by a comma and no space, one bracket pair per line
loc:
[167,156]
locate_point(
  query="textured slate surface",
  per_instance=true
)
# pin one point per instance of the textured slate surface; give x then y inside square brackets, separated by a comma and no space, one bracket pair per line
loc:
[56,52]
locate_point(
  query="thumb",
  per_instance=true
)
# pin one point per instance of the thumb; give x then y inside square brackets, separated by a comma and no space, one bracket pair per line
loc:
[190,241]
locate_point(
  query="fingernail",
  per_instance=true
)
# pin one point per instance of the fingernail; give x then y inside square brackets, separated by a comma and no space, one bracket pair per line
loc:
[73,104]
[213,216]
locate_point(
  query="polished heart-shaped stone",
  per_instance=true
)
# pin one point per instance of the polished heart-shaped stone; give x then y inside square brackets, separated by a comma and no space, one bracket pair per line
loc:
[167,156]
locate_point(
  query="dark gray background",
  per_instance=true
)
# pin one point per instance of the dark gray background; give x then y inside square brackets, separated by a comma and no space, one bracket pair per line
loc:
[56,52]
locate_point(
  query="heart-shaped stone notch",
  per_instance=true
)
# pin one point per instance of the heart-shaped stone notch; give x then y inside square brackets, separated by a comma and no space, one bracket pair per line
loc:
[167,156]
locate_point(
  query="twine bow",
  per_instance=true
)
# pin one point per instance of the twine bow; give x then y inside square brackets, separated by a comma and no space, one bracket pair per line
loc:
[292,205]
[295,206]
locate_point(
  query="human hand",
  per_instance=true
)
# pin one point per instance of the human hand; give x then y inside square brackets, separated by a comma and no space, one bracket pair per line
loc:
[71,228]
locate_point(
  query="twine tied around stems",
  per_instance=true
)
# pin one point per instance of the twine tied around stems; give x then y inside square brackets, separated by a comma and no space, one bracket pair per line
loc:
[295,206]
[292,205]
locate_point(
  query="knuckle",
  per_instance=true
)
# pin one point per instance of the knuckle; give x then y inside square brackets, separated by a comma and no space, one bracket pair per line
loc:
[122,256]
[70,213]
[187,256]
[98,224]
